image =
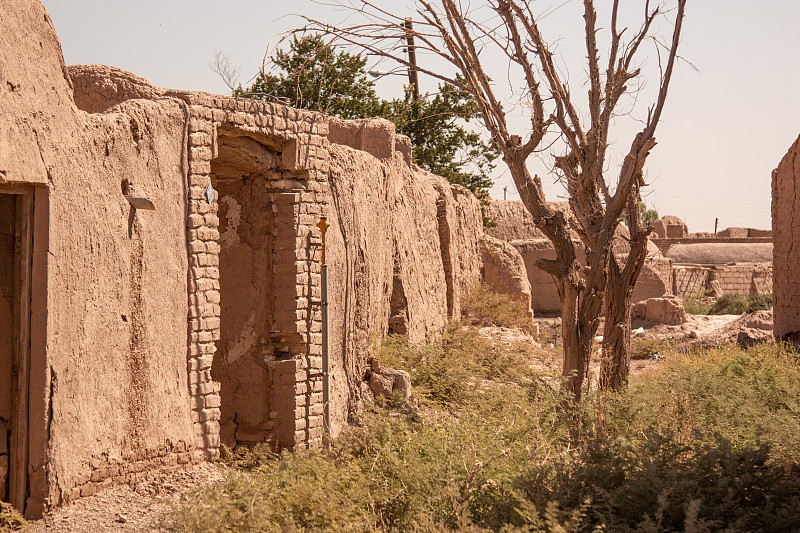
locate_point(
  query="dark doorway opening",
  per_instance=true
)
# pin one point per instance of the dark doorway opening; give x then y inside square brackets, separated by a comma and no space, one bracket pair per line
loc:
[240,175]
[15,292]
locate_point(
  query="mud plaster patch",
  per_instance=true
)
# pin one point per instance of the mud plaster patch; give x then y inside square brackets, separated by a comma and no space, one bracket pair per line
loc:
[233,217]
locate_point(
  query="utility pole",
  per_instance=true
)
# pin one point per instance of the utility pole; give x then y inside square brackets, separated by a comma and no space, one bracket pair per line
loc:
[505,190]
[412,58]
[716,222]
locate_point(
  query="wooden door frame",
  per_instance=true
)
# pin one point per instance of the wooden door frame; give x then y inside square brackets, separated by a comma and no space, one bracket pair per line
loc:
[20,362]
[18,446]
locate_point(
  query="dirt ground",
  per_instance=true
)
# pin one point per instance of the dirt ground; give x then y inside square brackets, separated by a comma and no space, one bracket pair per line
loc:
[123,508]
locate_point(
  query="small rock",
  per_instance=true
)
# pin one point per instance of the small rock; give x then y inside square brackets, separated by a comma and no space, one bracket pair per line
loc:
[693,334]
[121,518]
[749,337]
[383,381]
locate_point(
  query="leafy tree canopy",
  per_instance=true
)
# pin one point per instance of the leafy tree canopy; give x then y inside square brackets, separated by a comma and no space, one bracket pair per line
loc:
[442,143]
[313,75]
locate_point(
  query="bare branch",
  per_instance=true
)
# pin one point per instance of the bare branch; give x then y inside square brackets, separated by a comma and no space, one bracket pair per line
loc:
[222,66]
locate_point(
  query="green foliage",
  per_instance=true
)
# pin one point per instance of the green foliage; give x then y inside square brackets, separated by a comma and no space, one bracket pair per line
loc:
[436,125]
[735,304]
[648,215]
[728,304]
[312,74]
[759,302]
[697,304]
[484,307]
[710,443]
[450,371]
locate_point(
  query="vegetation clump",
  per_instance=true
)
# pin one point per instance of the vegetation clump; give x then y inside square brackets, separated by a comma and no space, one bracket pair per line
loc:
[735,304]
[11,519]
[699,303]
[728,304]
[709,443]
[484,307]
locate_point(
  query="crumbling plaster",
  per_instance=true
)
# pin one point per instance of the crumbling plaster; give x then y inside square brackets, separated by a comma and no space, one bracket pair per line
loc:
[133,312]
[786,251]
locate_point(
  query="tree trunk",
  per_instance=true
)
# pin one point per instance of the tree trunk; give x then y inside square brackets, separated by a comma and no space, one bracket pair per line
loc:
[615,360]
[573,370]
[580,311]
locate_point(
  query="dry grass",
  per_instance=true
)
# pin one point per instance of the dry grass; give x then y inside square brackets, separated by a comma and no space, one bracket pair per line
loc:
[710,443]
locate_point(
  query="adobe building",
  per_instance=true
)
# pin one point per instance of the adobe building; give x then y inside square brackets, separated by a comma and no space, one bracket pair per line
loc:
[160,259]
[786,253]
[731,261]
[513,223]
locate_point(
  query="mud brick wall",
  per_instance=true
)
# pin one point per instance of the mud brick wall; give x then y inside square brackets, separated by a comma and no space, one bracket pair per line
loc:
[655,279]
[689,280]
[786,240]
[297,199]
[762,279]
[734,279]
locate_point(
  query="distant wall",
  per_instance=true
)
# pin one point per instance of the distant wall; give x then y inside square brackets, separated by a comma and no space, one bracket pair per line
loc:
[544,295]
[690,280]
[736,278]
[655,279]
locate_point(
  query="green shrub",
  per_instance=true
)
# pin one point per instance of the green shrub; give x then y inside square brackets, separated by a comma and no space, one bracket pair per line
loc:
[735,304]
[758,302]
[695,306]
[710,443]
[484,307]
[729,304]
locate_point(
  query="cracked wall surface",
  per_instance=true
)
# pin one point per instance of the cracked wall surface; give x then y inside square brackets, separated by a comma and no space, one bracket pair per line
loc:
[161,333]
[786,242]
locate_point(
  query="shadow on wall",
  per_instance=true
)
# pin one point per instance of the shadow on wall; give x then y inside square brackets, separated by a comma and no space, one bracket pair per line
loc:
[240,176]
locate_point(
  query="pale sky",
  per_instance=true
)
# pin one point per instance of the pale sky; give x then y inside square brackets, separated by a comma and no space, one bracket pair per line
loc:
[726,125]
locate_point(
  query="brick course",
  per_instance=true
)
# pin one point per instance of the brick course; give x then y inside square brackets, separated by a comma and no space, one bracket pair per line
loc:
[297,201]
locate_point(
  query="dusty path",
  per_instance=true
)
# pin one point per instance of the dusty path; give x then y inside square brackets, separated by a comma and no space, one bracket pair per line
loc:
[123,509]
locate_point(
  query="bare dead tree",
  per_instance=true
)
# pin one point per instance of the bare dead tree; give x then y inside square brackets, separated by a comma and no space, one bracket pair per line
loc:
[597,199]
[222,65]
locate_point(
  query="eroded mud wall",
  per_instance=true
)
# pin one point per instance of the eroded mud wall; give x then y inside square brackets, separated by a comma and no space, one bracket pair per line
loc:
[117,325]
[110,395]
[401,242]
[786,252]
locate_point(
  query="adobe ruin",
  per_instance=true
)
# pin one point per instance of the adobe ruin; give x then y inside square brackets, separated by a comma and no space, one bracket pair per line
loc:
[679,263]
[146,338]
[786,253]
[512,223]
